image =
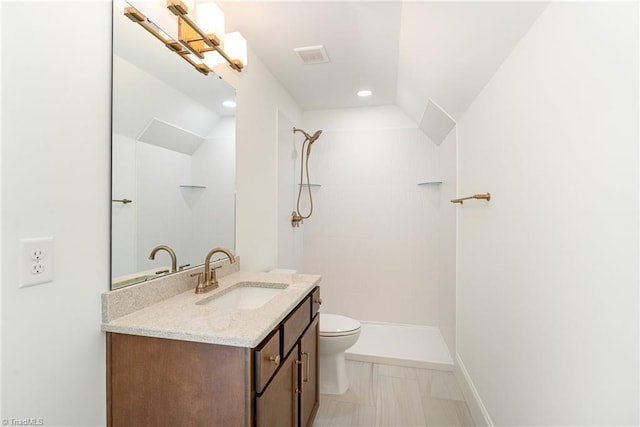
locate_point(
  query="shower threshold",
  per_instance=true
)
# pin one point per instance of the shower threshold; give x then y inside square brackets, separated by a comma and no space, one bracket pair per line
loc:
[403,345]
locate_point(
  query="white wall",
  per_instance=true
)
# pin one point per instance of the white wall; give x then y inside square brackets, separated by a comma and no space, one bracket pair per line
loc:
[55,169]
[1,205]
[191,220]
[260,97]
[290,239]
[213,208]
[163,216]
[140,97]
[374,232]
[447,165]
[548,269]
[123,216]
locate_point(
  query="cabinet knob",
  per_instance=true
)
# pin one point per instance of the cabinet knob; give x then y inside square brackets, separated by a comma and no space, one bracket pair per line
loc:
[275,359]
[318,300]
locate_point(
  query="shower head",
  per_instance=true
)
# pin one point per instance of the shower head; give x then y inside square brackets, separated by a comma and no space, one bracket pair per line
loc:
[310,138]
[314,136]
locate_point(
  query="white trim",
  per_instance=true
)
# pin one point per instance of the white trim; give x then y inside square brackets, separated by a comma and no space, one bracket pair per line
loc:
[476,407]
[1,194]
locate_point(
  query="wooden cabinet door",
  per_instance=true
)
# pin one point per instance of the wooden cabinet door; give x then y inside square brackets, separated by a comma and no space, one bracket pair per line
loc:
[309,385]
[163,382]
[277,406]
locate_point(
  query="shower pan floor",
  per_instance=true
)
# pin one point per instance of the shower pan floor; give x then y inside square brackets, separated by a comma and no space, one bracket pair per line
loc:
[404,345]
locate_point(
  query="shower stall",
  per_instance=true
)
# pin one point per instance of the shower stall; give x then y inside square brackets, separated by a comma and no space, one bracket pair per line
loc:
[382,234]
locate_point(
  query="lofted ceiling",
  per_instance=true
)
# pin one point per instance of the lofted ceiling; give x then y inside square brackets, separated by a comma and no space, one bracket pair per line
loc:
[404,51]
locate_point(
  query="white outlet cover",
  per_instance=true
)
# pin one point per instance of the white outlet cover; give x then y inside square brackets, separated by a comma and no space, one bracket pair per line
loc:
[36,270]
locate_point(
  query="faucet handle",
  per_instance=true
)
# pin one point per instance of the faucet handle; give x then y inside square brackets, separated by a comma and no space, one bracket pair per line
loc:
[200,277]
[213,271]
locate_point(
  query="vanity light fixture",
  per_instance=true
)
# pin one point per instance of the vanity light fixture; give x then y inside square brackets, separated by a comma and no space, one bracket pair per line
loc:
[201,40]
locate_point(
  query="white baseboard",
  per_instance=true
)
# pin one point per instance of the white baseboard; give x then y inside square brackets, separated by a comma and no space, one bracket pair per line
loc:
[476,407]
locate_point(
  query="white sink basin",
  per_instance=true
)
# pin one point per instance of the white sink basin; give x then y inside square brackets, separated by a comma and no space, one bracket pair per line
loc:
[243,296]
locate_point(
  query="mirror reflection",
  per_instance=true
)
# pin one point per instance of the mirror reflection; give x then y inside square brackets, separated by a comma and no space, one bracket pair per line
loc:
[173,158]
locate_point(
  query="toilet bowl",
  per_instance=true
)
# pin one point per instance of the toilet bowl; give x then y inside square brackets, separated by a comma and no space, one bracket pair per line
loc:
[337,334]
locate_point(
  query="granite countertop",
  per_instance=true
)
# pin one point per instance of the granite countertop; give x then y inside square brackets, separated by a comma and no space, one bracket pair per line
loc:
[187,317]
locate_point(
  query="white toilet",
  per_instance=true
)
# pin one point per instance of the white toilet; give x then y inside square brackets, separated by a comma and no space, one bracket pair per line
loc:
[337,334]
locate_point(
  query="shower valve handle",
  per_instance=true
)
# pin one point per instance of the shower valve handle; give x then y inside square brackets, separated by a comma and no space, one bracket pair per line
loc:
[296,219]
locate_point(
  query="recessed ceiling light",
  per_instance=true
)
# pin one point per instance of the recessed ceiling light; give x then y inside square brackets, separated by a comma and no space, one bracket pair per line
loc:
[229,104]
[364,93]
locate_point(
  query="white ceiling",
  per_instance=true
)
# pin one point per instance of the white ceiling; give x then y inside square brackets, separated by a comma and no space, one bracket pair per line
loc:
[405,52]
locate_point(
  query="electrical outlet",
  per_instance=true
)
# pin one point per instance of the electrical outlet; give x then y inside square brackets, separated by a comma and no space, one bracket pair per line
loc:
[36,261]
[36,254]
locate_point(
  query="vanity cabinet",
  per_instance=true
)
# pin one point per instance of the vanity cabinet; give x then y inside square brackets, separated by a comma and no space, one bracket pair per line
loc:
[167,382]
[277,405]
[309,381]
[292,397]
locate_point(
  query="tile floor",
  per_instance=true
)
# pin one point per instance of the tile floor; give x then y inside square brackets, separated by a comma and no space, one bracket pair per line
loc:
[394,396]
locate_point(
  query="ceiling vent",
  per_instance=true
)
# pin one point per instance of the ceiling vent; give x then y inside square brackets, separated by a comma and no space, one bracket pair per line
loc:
[312,54]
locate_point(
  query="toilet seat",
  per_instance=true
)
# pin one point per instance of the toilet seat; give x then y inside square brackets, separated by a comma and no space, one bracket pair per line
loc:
[335,325]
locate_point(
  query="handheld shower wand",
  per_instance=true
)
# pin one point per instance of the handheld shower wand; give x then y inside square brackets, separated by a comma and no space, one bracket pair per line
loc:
[311,138]
[296,216]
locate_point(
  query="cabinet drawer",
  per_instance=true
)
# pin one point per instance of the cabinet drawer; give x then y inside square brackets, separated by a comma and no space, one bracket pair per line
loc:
[267,360]
[278,404]
[294,325]
[315,301]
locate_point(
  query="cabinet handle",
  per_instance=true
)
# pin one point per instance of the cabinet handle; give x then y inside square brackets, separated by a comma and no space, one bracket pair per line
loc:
[299,391]
[318,301]
[306,380]
[275,359]
[296,392]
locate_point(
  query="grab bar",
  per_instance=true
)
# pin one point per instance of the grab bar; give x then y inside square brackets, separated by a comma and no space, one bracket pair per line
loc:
[123,201]
[486,197]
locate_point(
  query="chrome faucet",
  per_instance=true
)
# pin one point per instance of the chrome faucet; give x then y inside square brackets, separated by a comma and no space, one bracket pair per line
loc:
[207,280]
[172,254]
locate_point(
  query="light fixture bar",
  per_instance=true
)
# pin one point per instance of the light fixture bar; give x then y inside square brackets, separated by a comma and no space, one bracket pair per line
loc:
[180,10]
[202,68]
[190,35]
[191,38]
[137,17]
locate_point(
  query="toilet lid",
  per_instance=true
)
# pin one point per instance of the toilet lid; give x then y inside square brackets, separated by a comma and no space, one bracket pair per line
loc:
[336,325]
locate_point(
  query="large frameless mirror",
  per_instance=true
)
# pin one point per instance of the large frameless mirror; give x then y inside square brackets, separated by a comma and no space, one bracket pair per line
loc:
[173,159]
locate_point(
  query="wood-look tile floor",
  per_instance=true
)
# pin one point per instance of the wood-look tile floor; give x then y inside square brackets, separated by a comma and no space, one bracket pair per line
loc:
[394,396]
